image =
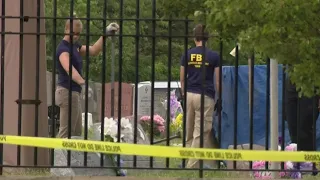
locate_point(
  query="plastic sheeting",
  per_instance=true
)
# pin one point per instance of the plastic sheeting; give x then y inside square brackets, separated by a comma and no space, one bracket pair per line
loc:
[259,107]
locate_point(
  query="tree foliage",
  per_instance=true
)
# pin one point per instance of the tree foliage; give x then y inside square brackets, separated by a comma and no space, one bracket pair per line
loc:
[285,30]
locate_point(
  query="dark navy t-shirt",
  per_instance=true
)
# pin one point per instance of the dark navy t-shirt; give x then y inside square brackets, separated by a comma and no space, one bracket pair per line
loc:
[63,77]
[194,70]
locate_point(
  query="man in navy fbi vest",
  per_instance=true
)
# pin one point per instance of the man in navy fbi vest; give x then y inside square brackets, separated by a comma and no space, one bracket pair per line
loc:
[192,61]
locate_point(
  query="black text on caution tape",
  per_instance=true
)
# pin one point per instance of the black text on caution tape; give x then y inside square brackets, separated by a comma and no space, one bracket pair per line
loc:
[3,138]
[96,147]
[210,155]
[312,157]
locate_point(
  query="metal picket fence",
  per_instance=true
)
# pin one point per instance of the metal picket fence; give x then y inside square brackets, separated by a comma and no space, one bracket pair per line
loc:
[24,111]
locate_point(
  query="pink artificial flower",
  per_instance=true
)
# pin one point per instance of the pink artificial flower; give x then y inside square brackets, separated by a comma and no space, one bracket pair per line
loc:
[159,123]
[158,120]
[260,174]
[291,147]
[266,174]
[161,128]
[145,118]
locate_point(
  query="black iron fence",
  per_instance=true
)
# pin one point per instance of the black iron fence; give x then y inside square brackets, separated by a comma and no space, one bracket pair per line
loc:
[28,26]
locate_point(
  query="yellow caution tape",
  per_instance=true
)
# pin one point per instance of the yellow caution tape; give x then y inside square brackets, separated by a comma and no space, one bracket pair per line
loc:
[160,151]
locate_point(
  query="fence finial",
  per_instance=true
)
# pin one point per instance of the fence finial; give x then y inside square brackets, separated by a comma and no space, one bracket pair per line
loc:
[233,52]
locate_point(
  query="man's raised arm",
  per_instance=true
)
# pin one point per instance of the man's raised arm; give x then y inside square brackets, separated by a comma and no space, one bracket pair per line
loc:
[96,48]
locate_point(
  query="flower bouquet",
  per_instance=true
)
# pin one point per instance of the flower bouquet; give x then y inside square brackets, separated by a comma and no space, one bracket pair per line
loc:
[295,172]
[177,125]
[111,135]
[175,105]
[176,112]
[158,126]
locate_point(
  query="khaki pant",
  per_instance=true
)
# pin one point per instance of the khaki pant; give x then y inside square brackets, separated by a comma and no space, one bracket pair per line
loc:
[62,101]
[193,126]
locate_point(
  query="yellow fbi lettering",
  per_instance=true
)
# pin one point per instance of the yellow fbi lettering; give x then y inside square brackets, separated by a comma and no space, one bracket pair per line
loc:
[196,60]
[210,155]
[95,147]
[196,57]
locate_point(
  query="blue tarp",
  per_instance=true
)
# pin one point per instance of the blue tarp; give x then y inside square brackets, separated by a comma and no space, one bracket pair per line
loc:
[259,107]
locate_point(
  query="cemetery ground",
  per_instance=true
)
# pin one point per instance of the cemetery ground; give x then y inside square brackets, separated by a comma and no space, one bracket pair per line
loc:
[137,173]
[148,173]
[174,163]
[36,172]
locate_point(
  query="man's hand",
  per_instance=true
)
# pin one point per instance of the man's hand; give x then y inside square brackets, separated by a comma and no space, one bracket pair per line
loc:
[218,106]
[94,50]
[112,28]
[82,82]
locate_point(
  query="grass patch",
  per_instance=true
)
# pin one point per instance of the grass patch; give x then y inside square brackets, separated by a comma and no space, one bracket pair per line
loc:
[181,173]
[26,171]
[175,163]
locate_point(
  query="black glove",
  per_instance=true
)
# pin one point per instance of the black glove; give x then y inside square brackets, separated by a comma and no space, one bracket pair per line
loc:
[218,106]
